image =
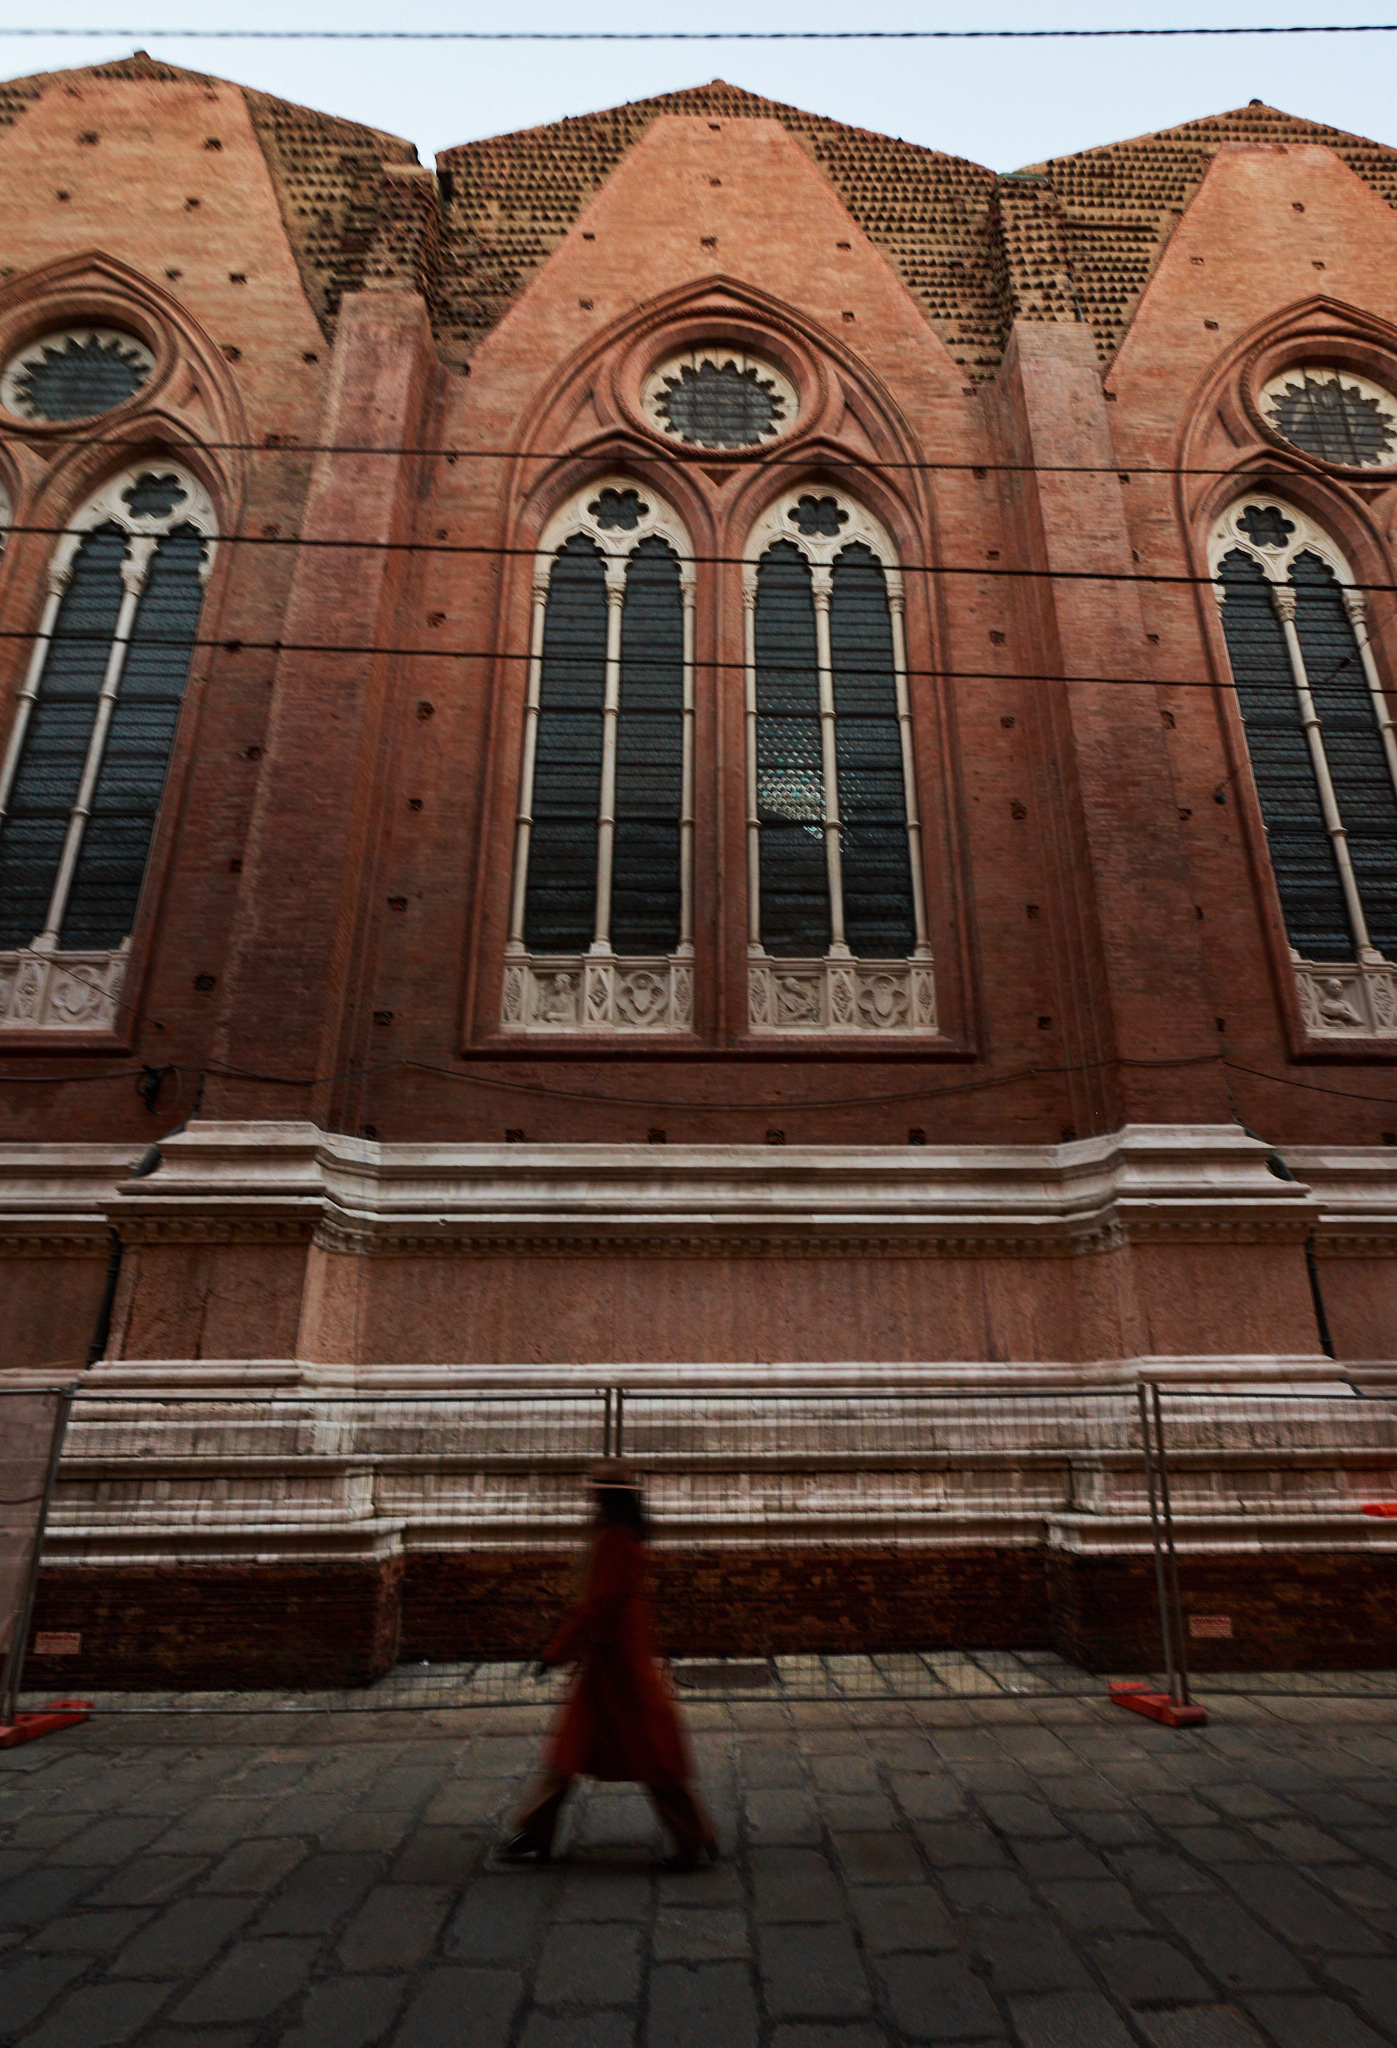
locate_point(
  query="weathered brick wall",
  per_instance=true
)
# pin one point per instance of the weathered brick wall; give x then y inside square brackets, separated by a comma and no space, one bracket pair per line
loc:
[328,889]
[729,1603]
[337,1625]
[1287,1611]
[198,1626]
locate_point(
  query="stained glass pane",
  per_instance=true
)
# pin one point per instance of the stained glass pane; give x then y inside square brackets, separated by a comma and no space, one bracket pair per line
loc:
[795,914]
[73,376]
[111,865]
[720,407]
[1352,744]
[560,901]
[875,858]
[649,756]
[1302,855]
[1335,420]
[56,741]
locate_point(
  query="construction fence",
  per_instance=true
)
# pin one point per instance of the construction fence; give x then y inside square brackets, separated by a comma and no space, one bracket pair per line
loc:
[419,1549]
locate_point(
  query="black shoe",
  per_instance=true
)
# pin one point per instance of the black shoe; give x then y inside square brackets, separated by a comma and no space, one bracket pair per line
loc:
[521,1848]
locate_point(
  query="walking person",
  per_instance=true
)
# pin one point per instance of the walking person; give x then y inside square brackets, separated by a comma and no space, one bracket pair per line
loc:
[620,1721]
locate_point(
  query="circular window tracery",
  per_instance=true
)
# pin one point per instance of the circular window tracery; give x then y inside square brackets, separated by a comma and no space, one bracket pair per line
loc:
[714,396]
[74,373]
[1333,414]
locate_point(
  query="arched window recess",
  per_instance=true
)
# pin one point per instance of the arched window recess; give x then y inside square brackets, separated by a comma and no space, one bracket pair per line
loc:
[90,743]
[1323,755]
[602,909]
[837,920]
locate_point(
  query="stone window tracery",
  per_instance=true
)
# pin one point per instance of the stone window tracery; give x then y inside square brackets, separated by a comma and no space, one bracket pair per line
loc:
[75,373]
[1334,414]
[714,396]
[837,935]
[89,748]
[601,922]
[1323,753]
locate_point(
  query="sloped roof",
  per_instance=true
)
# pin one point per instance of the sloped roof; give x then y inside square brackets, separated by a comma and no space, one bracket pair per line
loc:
[516,196]
[1076,237]
[1088,230]
[325,170]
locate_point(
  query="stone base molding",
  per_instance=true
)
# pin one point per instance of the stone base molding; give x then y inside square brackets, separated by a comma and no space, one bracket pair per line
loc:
[61,991]
[250,1182]
[892,997]
[301,1478]
[597,992]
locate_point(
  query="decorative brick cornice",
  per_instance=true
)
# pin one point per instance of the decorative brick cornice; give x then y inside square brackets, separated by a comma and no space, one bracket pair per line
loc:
[760,1241]
[54,1244]
[291,1184]
[191,1228]
[1356,1244]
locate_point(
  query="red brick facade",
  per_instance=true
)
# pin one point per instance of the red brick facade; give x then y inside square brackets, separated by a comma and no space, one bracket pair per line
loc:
[312,795]
[1045,389]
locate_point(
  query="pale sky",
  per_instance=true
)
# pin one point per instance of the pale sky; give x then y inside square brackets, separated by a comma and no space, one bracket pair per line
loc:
[1001,104]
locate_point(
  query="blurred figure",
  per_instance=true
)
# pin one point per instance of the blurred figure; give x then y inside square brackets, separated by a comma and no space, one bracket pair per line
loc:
[620,1721]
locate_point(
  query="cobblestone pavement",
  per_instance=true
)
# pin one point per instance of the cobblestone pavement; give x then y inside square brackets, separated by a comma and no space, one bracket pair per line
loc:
[1052,1873]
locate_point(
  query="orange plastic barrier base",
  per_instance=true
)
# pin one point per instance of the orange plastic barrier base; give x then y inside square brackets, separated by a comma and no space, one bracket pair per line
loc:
[28,1727]
[1158,1706]
[1380,1507]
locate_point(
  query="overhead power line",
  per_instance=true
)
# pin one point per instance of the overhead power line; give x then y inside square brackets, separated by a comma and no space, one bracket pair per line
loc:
[682,1104]
[472,549]
[754,461]
[369,648]
[711,35]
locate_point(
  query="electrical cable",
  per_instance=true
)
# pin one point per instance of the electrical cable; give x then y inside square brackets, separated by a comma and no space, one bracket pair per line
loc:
[679,35]
[758,460]
[480,549]
[706,1108]
[987,675]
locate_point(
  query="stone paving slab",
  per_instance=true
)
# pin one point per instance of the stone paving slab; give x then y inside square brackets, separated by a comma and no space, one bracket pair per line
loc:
[932,1675]
[1036,1870]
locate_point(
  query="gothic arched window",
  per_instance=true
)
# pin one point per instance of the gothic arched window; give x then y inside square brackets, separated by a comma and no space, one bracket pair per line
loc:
[601,925]
[1323,755]
[837,919]
[90,745]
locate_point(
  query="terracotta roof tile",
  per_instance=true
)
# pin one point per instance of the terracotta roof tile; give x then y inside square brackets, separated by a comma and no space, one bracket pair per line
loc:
[1075,238]
[516,196]
[1113,209]
[326,171]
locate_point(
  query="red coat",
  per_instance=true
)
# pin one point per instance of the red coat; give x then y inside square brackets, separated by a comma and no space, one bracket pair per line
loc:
[620,1720]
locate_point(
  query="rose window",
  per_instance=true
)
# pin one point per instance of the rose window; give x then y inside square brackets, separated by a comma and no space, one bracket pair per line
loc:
[1334,415]
[716,397]
[75,373]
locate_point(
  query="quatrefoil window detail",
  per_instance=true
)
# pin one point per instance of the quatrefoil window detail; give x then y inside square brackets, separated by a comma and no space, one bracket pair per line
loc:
[818,516]
[1266,526]
[618,511]
[154,497]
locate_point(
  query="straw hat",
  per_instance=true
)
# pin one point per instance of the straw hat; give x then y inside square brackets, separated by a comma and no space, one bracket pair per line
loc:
[614,1472]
